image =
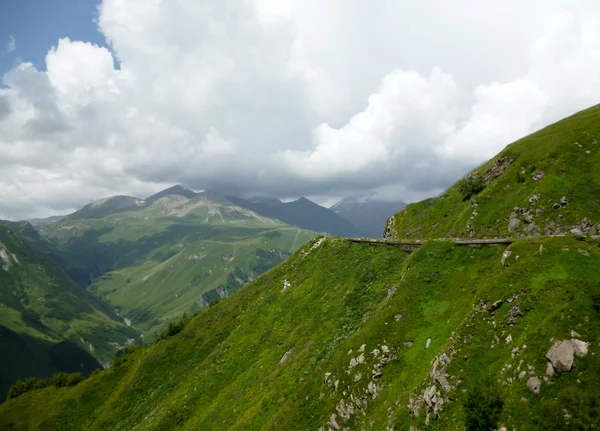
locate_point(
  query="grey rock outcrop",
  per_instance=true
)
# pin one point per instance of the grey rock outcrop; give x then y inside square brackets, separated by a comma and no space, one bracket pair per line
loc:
[561,355]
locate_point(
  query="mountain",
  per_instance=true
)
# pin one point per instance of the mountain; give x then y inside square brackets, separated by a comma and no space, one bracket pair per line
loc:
[547,183]
[51,219]
[105,207]
[169,255]
[367,214]
[346,335]
[302,213]
[174,191]
[47,322]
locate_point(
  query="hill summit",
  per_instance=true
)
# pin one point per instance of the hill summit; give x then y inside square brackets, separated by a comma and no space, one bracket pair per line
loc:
[547,183]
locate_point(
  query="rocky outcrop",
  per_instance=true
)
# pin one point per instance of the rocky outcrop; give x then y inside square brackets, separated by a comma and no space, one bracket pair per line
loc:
[390,227]
[562,354]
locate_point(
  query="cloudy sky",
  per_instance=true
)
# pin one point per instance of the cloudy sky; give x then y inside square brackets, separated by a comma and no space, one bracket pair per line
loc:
[277,97]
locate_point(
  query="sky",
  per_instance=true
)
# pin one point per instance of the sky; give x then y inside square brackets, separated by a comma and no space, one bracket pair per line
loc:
[280,98]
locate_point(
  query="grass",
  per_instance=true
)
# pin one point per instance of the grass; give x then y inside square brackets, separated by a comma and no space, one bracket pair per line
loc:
[46,319]
[568,154]
[337,300]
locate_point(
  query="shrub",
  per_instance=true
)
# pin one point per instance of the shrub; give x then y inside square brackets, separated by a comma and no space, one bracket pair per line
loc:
[483,406]
[470,186]
[174,328]
[59,380]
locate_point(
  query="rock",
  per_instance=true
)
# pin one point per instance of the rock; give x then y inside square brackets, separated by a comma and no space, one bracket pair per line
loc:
[428,343]
[564,201]
[332,422]
[541,249]
[561,355]
[576,231]
[505,256]
[508,339]
[285,356]
[495,306]
[522,375]
[575,334]
[391,292]
[390,227]
[534,384]
[408,344]
[361,358]
[345,409]
[513,224]
[549,369]
[580,348]
[357,377]
[327,378]
[537,175]
[397,317]
[557,206]
[513,314]
[373,390]
[583,252]
[534,198]
[362,348]
[385,349]
[376,374]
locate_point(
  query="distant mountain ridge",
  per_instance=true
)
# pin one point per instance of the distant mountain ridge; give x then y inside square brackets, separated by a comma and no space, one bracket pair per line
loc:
[172,253]
[302,213]
[367,214]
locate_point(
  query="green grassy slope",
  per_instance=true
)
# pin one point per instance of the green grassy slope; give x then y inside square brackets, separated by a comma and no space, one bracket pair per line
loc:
[568,155]
[176,255]
[46,319]
[260,359]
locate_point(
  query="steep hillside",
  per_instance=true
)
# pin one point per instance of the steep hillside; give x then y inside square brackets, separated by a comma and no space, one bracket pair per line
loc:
[302,213]
[171,256]
[354,336]
[367,214]
[47,322]
[545,184]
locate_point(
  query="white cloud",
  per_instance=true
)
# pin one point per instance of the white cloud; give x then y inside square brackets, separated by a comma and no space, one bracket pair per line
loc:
[10,46]
[289,97]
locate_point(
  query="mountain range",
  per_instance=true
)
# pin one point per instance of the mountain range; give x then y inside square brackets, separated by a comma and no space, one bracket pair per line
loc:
[367,214]
[419,332]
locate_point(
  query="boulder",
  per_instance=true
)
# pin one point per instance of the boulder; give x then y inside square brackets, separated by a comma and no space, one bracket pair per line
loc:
[495,306]
[561,355]
[513,224]
[580,347]
[549,369]
[537,175]
[534,384]
[505,256]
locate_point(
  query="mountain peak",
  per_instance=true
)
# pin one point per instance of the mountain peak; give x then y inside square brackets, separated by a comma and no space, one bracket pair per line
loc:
[177,190]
